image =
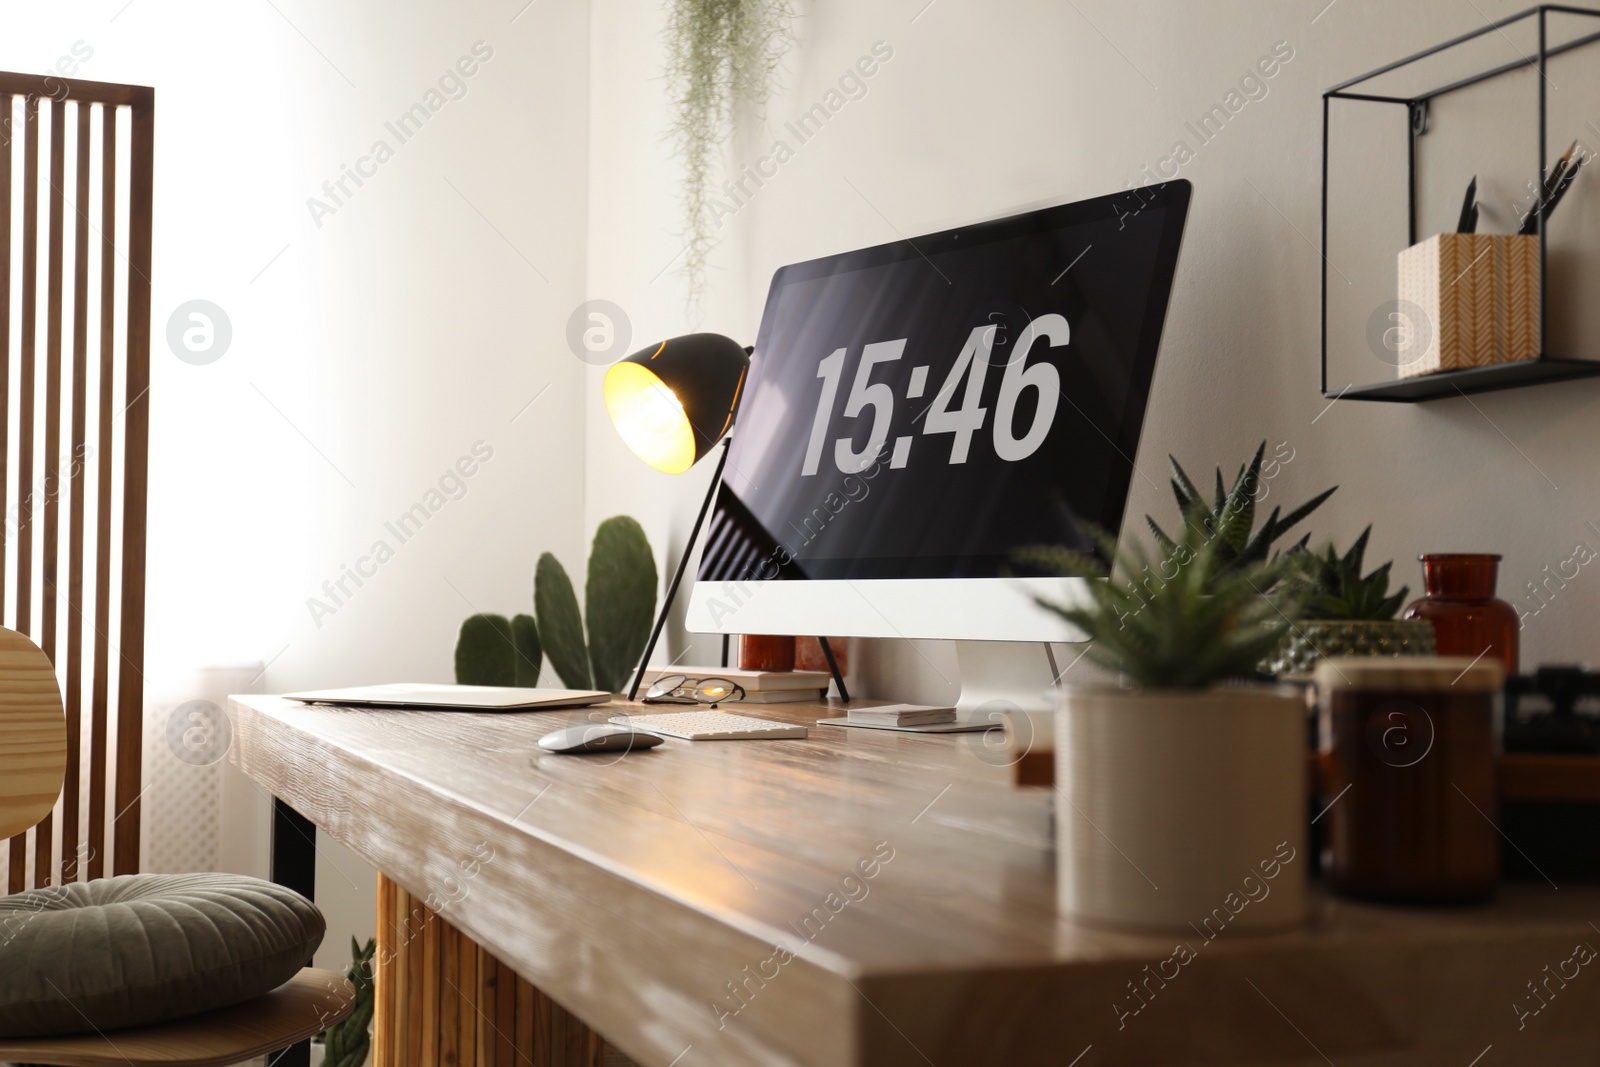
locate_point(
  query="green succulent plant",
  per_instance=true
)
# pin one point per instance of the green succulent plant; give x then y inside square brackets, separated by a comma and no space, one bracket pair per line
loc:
[1184,621]
[346,1043]
[1336,589]
[620,605]
[1228,519]
[494,650]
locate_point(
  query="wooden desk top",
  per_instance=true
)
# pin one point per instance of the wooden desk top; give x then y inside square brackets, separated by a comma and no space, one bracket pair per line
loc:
[715,897]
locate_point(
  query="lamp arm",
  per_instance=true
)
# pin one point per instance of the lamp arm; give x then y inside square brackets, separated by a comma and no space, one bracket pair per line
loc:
[677,575]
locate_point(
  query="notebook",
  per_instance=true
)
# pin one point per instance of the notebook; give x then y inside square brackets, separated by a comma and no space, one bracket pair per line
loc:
[902,715]
[453,697]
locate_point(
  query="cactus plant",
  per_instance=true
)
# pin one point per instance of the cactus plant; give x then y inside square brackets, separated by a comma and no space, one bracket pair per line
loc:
[493,650]
[560,626]
[620,598]
[1230,518]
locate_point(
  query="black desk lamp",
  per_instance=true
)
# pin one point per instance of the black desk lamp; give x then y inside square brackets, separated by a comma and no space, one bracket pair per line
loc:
[672,404]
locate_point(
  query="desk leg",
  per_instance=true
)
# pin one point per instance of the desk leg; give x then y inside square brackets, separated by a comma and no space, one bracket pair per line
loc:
[294,850]
[440,998]
[294,865]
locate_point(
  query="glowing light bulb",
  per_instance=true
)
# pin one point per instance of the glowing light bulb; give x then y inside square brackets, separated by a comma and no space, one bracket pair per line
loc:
[660,411]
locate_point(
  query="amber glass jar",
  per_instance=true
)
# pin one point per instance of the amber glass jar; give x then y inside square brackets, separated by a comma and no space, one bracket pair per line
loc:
[1408,750]
[760,652]
[1460,602]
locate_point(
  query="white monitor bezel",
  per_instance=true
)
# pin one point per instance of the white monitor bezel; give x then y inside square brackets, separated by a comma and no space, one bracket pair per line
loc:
[961,609]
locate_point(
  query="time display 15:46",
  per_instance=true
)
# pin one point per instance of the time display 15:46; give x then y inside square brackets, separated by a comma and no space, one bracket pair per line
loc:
[972,364]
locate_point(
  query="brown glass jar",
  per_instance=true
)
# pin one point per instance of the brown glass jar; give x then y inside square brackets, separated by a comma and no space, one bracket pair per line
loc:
[1460,602]
[1408,752]
[760,652]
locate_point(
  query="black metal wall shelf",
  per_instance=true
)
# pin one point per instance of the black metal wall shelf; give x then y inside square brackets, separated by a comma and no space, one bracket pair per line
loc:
[1473,380]
[1546,368]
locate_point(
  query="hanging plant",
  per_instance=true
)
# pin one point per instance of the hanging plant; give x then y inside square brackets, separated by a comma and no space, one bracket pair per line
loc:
[720,54]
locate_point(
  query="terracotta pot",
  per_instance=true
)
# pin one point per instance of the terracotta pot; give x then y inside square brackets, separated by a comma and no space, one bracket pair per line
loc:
[1182,811]
[1460,602]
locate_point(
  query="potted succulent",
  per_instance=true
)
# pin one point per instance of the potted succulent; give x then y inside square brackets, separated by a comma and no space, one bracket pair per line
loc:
[1181,794]
[1347,613]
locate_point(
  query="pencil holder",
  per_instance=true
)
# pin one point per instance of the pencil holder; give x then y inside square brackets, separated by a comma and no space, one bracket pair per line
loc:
[1478,295]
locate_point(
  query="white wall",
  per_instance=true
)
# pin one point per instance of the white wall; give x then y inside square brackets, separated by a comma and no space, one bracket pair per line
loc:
[374,351]
[989,108]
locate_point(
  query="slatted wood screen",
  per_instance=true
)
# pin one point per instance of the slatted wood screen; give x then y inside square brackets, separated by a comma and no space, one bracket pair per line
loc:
[75,214]
[441,1000]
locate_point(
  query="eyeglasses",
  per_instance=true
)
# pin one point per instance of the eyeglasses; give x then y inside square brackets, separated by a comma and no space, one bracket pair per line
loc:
[681,689]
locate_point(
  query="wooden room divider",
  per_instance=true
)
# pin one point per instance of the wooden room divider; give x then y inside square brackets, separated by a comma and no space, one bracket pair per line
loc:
[76,160]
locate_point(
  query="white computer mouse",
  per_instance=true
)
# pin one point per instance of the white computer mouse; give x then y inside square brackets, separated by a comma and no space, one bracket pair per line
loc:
[596,737]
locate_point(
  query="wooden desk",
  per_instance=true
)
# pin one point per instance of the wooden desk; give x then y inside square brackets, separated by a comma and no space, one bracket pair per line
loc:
[647,894]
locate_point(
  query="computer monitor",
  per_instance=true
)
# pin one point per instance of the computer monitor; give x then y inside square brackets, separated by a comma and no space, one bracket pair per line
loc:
[918,412]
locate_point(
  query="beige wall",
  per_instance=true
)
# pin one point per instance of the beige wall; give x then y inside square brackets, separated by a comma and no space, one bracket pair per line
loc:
[989,108]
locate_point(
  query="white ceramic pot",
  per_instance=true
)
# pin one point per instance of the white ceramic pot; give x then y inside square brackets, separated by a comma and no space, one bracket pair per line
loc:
[1182,811]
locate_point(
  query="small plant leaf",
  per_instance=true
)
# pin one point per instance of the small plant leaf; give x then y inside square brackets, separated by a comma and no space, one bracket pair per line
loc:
[1160,535]
[530,657]
[1238,512]
[619,600]
[1352,558]
[485,652]
[560,626]
[1294,517]
[1182,487]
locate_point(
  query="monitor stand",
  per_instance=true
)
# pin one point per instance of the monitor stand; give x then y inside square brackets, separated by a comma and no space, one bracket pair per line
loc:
[1005,676]
[1009,684]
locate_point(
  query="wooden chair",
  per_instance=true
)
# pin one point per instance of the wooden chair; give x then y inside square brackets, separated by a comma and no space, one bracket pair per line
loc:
[33,757]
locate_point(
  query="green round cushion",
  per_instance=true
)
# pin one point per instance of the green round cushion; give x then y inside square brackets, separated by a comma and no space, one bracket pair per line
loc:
[146,948]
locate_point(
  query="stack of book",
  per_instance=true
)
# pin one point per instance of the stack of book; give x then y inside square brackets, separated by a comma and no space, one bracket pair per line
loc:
[902,715]
[760,687]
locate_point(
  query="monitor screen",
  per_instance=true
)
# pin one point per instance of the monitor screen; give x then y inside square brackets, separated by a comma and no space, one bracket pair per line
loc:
[924,409]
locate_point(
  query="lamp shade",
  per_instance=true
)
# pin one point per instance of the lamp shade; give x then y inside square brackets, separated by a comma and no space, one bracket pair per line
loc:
[673,402]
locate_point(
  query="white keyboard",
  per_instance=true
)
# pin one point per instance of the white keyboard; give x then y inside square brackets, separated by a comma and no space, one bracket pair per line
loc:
[709,726]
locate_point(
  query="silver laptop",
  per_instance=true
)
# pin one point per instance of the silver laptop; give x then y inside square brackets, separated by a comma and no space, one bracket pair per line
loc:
[453,697]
